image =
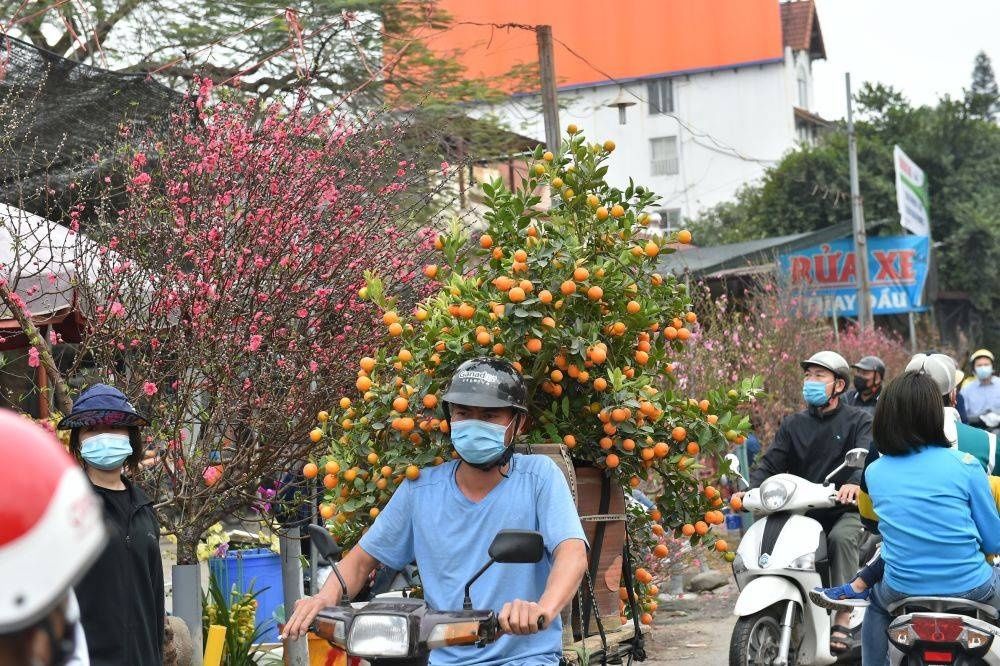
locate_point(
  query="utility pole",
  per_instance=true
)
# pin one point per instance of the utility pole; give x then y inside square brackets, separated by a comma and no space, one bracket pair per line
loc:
[865,319]
[547,69]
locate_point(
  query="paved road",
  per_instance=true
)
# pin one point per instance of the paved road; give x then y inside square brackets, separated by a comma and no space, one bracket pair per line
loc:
[695,631]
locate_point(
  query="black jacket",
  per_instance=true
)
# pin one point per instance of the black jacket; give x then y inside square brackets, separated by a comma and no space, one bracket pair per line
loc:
[121,597]
[811,445]
[854,399]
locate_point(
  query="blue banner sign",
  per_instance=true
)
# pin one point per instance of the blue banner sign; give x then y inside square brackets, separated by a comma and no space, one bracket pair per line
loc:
[823,278]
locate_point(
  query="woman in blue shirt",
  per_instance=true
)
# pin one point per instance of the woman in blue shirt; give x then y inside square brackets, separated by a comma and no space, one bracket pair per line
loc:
[937,516]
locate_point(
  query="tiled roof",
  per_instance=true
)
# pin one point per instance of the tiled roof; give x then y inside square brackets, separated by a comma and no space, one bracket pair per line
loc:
[800,27]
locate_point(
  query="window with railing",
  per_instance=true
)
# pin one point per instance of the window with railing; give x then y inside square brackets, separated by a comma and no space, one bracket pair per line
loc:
[663,156]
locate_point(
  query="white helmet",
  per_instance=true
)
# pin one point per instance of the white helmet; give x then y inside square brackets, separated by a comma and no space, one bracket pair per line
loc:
[935,368]
[51,523]
[832,361]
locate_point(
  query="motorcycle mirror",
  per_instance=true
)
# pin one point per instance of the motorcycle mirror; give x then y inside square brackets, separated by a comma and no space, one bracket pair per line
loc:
[329,550]
[517,547]
[326,545]
[509,547]
[855,458]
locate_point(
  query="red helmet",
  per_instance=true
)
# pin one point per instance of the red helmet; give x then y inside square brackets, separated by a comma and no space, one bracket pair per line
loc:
[51,524]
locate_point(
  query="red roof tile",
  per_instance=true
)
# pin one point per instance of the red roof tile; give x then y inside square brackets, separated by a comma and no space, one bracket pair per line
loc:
[800,27]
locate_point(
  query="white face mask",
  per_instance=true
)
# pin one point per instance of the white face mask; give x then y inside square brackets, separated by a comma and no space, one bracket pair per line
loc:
[984,372]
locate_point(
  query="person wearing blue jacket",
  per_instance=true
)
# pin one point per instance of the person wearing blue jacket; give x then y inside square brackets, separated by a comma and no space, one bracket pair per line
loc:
[935,527]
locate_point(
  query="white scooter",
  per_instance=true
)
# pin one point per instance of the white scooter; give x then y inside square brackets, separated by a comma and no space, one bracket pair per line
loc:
[780,559]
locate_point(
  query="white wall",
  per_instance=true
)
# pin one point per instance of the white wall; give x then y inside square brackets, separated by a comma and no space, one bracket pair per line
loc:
[732,124]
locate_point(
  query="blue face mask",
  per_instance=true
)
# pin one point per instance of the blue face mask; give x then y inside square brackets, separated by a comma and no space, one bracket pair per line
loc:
[984,372]
[106,450]
[478,442]
[814,393]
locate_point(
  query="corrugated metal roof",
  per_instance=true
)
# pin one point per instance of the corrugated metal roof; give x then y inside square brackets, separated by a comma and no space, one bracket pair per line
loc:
[706,261]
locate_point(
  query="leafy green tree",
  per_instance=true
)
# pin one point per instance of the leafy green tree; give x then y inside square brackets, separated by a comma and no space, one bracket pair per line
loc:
[809,189]
[983,98]
[371,51]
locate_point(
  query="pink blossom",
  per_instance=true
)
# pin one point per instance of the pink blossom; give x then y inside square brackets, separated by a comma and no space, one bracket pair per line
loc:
[33,360]
[142,179]
[149,388]
[255,341]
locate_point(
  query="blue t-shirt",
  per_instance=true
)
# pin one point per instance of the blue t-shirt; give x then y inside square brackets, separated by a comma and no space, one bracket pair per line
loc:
[431,522]
[937,518]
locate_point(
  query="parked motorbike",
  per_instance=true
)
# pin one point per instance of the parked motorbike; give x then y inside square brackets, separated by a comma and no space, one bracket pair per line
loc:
[928,631]
[780,559]
[402,631]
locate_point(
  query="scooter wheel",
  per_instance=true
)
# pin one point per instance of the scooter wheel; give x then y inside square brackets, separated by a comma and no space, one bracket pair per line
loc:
[756,640]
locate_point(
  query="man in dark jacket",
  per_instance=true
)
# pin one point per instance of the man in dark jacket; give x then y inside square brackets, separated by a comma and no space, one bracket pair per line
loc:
[869,373]
[811,444]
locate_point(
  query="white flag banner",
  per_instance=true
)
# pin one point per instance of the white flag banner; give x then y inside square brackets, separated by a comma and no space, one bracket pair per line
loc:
[911,195]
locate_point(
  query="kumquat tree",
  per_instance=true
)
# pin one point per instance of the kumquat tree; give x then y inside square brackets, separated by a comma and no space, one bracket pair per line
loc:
[571,296]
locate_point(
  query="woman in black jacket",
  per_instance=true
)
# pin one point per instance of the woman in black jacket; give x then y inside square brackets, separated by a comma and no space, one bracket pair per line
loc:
[121,597]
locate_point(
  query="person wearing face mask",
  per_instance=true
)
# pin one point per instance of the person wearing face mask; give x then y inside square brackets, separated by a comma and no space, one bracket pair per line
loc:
[121,597]
[982,395]
[51,531]
[446,519]
[811,444]
[869,373]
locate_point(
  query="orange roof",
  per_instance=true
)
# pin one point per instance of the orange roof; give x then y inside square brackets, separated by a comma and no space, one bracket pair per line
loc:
[800,27]
[612,40]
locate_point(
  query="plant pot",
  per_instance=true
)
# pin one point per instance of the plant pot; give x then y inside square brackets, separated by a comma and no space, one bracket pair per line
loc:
[600,502]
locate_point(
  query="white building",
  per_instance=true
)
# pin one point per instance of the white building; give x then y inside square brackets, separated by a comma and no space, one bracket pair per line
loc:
[696,136]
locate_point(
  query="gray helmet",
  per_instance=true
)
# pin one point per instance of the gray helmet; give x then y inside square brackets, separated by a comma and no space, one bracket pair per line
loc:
[486,382]
[830,360]
[871,363]
[936,369]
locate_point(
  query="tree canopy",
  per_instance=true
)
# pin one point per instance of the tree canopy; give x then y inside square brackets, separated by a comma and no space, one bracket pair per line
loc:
[367,50]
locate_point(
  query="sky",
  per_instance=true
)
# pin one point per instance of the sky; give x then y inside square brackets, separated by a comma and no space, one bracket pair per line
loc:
[923,48]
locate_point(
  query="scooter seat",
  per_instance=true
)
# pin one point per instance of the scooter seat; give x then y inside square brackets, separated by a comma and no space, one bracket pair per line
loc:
[944,605]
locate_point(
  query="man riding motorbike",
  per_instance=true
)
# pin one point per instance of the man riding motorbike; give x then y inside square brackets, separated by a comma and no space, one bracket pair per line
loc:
[811,444]
[51,531]
[982,394]
[869,373]
[446,518]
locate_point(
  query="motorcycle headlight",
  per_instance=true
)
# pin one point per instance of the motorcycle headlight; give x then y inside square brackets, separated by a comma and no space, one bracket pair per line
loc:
[806,562]
[379,636]
[774,493]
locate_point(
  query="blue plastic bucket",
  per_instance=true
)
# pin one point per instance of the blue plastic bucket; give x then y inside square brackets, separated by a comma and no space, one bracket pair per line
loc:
[256,570]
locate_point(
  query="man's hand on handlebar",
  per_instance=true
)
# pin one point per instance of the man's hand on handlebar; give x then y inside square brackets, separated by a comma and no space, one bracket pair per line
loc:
[306,610]
[522,618]
[848,493]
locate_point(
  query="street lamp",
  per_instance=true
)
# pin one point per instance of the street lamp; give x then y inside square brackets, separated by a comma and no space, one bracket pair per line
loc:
[622,102]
